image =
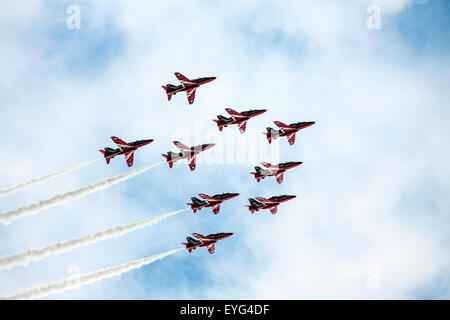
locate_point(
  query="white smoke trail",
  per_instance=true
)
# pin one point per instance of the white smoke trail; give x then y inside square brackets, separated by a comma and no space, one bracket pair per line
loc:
[8,216]
[24,185]
[38,254]
[79,281]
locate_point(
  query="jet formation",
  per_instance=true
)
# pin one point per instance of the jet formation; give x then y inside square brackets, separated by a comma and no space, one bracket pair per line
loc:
[189,153]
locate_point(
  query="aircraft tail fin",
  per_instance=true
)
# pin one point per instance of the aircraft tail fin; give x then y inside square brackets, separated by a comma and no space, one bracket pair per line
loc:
[218,124]
[169,94]
[104,154]
[271,134]
[250,208]
[222,122]
[187,246]
[169,159]
[191,240]
[257,176]
[190,244]
[222,118]
[197,200]
[192,205]
[268,136]
[253,205]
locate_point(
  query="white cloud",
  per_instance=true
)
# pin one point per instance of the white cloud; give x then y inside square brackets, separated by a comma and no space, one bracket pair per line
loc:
[393,6]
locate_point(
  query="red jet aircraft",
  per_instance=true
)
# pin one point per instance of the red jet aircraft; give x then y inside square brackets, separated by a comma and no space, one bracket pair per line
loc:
[239,118]
[272,170]
[271,203]
[285,130]
[188,153]
[205,241]
[127,149]
[186,85]
[212,202]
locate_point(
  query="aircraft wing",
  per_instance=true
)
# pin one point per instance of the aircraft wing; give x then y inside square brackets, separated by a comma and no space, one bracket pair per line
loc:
[280,178]
[267,164]
[199,236]
[291,138]
[205,196]
[236,114]
[184,81]
[181,146]
[281,124]
[242,126]
[192,163]
[216,208]
[191,95]
[129,157]
[120,143]
[264,200]
[211,248]
[273,210]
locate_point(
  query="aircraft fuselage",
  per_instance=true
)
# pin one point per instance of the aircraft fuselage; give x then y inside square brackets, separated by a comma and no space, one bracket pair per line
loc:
[184,154]
[173,89]
[111,153]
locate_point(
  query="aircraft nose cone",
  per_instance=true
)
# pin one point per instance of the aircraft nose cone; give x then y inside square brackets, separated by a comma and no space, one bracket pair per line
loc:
[228,235]
[234,195]
[297,163]
[147,141]
[209,146]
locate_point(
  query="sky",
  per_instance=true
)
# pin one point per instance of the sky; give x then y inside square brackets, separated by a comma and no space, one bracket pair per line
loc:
[371,217]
